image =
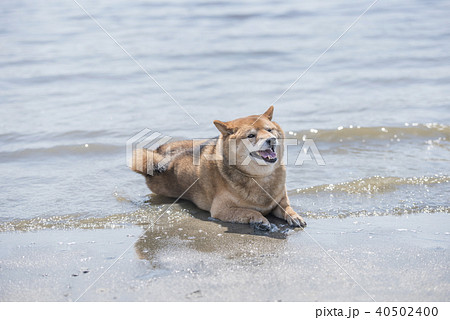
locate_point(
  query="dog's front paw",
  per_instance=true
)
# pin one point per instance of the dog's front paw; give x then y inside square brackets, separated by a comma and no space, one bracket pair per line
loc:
[261,223]
[295,220]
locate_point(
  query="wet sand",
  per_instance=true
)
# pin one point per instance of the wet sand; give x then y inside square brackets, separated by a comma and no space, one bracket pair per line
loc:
[192,258]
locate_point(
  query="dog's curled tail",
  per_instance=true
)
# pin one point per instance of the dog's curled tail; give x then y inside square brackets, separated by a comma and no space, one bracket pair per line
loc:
[148,162]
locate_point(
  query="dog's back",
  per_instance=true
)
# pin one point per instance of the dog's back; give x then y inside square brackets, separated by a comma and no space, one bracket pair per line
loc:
[172,169]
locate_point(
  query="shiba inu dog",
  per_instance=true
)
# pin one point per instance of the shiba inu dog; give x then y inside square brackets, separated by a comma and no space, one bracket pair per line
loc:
[237,177]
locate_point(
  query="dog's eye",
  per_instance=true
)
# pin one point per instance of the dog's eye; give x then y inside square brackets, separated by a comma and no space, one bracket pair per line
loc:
[251,135]
[269,130]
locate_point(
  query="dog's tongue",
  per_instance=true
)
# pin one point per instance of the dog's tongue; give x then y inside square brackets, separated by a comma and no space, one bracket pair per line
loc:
[267,154]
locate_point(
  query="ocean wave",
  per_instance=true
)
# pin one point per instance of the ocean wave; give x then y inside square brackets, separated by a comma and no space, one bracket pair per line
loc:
[142,216]
[151,210]
[60,151]
[19,137]
[372,185]
[395,211]
[147,215]
[106,142]
[357,133]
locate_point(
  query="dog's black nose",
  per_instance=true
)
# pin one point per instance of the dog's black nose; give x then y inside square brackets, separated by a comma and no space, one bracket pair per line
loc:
[272,141]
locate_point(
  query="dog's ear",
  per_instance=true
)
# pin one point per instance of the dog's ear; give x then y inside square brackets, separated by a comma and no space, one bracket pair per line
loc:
[223,127]
[269,113]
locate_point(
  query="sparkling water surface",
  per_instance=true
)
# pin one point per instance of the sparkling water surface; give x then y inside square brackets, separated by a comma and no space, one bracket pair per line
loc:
[376,104]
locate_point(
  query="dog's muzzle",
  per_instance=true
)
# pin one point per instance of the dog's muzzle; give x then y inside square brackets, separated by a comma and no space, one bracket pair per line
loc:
[267,152]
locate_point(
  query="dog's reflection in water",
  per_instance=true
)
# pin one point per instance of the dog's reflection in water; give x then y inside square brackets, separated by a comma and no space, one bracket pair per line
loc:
[195,229]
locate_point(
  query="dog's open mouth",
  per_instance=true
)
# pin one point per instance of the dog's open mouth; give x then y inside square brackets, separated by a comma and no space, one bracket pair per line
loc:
[268,155]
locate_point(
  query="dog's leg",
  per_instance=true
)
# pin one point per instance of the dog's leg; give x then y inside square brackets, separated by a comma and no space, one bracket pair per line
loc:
[240,215]
[284,211]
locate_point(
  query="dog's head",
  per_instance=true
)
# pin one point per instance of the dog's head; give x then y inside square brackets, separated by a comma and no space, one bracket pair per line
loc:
[253,144]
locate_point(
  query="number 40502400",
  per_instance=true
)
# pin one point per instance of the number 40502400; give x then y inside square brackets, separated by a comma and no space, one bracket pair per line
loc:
[407,311]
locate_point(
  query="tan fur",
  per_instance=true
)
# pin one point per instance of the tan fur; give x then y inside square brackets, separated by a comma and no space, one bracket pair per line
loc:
[232,192]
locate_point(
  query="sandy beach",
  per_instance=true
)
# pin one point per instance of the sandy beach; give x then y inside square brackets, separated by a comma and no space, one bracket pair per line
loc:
[191,258]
